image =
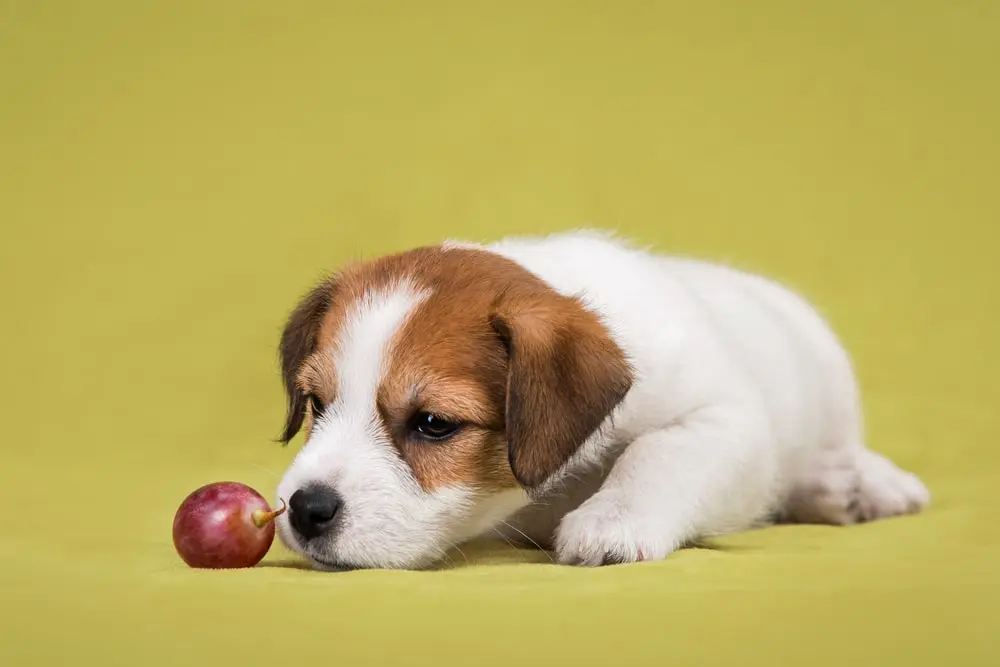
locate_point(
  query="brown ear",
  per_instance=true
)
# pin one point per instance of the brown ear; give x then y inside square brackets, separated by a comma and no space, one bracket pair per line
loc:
[565,375]
[298,341]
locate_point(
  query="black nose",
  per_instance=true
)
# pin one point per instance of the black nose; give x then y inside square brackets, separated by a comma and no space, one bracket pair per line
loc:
[311,510]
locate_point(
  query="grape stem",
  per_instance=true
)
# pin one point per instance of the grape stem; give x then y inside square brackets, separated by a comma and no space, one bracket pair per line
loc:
[263,517]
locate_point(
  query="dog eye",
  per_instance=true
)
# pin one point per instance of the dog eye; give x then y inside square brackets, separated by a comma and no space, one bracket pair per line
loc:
[316,403]
[432,427]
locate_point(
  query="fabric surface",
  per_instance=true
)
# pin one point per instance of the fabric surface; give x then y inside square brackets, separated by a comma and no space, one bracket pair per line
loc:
[175,175]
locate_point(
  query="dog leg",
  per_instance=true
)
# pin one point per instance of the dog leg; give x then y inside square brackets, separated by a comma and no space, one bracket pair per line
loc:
[853,484]
[713,473]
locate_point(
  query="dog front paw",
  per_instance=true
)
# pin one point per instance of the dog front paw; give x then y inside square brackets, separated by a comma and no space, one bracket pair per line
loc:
[606,531]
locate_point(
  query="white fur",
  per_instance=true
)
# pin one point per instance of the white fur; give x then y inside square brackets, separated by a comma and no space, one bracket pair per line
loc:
[745,407]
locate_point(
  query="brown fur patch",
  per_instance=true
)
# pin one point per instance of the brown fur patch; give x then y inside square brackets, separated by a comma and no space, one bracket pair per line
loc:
[529,373]
[449,362]
[565,376]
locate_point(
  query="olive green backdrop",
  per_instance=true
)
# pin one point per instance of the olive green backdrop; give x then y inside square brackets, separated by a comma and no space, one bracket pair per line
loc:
[173,176]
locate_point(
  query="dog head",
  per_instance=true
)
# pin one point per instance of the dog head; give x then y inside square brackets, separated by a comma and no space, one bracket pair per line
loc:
[436,389]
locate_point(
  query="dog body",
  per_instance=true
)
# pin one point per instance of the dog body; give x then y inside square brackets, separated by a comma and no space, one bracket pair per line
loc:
[571,392]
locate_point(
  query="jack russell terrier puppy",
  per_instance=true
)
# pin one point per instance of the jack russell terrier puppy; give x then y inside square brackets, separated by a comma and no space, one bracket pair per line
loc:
[570,392]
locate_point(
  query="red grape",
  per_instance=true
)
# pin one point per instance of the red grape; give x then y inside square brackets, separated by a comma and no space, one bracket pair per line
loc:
[224,525]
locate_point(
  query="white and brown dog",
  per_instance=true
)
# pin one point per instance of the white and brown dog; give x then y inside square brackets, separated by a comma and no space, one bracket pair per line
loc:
[571,392]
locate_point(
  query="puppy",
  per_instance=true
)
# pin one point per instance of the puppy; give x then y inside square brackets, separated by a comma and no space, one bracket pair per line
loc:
[571,392]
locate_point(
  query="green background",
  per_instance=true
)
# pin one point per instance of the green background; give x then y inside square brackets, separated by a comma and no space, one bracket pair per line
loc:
[173,176]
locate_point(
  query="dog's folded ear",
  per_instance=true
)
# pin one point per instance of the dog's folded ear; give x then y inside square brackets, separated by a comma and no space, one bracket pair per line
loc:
[565,375]
[298,341]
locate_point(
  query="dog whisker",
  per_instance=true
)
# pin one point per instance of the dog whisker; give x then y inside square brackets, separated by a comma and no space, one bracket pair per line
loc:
[525,535]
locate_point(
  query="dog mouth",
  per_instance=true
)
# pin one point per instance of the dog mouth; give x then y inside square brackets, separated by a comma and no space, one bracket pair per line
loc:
[324,565]
[324,562]
[293,543]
